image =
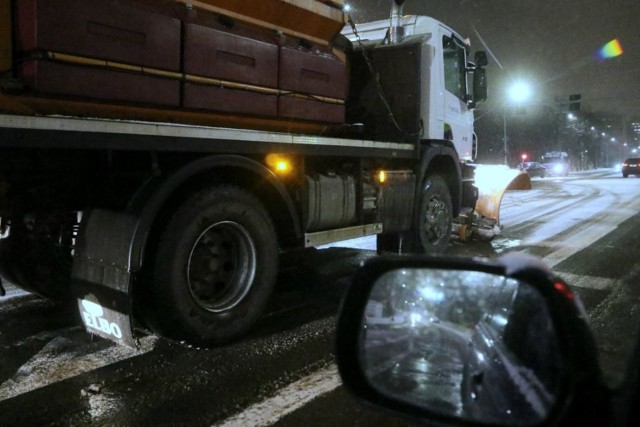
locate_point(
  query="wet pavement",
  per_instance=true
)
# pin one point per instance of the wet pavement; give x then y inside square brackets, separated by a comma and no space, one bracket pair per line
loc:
[283,372]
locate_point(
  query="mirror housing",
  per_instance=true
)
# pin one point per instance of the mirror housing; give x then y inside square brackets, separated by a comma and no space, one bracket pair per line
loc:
[480,59]
[580,393]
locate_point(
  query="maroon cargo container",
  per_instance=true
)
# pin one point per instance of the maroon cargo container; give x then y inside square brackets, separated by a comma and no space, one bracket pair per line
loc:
[234,53]
[72,80]
[293,108]
[103,29]
[229,100]
[312,72]
[205,50]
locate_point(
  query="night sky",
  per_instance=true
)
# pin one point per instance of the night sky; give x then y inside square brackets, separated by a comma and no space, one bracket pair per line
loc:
[550,43]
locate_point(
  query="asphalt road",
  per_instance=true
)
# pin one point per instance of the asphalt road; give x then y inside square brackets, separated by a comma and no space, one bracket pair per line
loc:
[585,227]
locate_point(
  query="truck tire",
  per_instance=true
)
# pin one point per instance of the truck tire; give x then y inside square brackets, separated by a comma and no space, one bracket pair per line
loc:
[435,217]
[215,267]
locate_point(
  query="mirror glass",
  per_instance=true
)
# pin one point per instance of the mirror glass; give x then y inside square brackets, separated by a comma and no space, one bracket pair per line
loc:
[480,85]
[468,344]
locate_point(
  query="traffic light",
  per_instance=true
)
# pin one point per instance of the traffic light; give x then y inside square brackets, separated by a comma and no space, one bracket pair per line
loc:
[574,102]
[523,158]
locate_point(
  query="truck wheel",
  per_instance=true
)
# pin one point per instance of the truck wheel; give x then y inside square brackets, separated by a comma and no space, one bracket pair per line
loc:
[435,217]
[214,268]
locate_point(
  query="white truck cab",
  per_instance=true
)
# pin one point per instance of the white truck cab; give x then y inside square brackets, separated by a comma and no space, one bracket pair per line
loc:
[447,99]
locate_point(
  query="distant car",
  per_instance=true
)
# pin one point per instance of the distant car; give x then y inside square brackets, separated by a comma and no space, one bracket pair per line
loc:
[534,169]
[631,167]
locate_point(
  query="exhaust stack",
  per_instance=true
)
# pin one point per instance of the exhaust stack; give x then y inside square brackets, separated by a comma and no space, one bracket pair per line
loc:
[396,29]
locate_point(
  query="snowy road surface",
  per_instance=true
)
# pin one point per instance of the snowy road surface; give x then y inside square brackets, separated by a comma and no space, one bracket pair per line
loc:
[51,372]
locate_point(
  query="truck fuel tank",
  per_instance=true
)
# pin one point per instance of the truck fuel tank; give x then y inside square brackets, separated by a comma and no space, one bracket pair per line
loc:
[331,202]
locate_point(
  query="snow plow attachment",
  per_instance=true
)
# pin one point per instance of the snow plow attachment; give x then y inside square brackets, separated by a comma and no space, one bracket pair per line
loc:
[492,182]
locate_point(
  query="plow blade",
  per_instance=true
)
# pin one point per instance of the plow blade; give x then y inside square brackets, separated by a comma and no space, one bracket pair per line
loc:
[492,182]
[484,221]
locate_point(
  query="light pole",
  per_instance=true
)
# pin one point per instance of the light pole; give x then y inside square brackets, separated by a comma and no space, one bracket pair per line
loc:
[517,93]
[504,138]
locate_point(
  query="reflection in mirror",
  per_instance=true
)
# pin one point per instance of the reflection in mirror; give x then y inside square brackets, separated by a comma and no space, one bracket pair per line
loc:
[462,343]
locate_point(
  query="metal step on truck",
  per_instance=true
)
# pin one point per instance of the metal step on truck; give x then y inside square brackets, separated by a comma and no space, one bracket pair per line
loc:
[156,157]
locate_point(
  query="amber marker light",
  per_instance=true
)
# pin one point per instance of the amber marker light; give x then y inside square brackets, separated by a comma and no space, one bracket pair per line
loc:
[278,163]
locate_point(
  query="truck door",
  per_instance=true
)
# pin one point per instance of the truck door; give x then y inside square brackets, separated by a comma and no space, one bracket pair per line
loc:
[458,119]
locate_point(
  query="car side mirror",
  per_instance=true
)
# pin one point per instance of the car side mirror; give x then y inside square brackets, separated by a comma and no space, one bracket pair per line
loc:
[466,340]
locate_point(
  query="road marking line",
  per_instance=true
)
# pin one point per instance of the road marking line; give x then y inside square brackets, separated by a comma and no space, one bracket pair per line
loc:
[590,282]
[58,361]
[591,235]
[287,400]
[12,292]
[578,243]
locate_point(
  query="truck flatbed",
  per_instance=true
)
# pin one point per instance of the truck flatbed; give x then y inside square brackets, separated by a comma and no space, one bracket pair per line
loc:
[179,137]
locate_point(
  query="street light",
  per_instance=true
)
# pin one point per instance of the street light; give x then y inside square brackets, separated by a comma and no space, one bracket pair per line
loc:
[518,93]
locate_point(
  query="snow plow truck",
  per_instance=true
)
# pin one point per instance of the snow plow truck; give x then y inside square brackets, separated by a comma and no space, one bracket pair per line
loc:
[156,157]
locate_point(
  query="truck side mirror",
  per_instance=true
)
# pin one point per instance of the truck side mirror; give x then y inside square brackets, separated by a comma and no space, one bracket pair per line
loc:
[453,340]
[481,59]
[479,85]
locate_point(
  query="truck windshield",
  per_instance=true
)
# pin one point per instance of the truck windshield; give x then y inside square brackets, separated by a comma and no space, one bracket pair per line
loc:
[555,159]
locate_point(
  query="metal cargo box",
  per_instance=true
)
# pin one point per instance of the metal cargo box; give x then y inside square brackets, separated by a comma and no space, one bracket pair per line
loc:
[317,20]
[6,39]
[229,100]
[303,109]
[237,54]
[116,31]
[312,72]
[87,82]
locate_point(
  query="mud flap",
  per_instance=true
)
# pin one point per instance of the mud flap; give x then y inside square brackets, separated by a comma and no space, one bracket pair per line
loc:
[101,275]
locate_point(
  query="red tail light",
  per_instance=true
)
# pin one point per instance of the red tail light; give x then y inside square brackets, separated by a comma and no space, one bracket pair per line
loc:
[563,289]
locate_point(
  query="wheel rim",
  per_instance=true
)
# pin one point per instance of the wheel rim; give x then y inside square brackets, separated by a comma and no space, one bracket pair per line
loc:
[221,266]
[436,220]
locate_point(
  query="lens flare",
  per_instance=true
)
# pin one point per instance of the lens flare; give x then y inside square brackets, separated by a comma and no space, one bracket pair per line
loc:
[611,50]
